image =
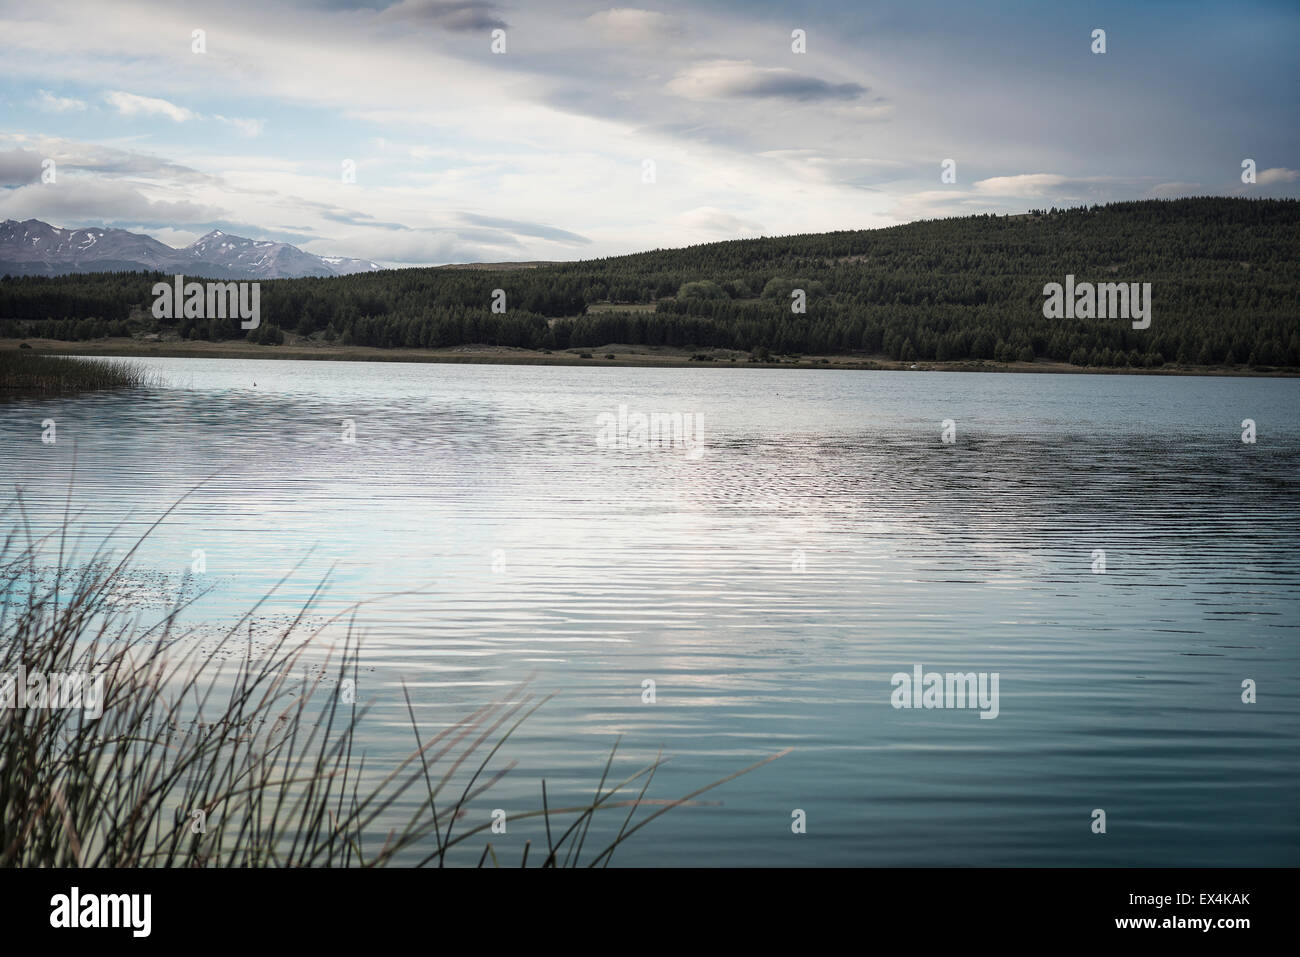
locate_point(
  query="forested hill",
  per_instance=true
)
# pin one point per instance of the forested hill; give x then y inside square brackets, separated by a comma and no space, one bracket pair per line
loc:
[1224,275]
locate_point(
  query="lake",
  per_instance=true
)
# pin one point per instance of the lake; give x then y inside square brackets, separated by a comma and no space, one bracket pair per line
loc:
[769,568]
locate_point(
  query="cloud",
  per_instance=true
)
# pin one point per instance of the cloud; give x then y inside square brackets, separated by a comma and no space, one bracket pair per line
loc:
[58,104]
[726,79]
[410,247]
[1025,184]
[527,229]
[138,190]
[627,25]
[860,111]
[710,219]
[461,16]
[249,128]
[1278,174]
[19,167]
[91,157]
[129,104]
[929,204]
[82,201]
[862,172]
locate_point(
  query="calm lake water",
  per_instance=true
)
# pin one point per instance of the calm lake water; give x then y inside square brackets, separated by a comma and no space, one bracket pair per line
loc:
[826,539]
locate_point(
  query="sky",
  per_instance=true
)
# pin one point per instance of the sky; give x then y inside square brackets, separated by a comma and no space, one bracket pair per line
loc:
[594,130]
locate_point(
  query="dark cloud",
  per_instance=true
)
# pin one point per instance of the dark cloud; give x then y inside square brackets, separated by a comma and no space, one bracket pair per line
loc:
[483,229]
[732,79]
[800,88]
[461,16]
[521,228]
[98,200]
[19,167]
[352,218]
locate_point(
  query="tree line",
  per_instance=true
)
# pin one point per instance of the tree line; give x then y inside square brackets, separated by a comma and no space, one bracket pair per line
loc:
[1224,276]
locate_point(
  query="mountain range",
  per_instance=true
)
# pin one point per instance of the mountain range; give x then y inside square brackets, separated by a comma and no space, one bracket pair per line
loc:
[35,248]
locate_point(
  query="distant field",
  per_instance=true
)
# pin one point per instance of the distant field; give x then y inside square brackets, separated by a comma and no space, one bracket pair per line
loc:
[621,307]
[611,354]
[491,267]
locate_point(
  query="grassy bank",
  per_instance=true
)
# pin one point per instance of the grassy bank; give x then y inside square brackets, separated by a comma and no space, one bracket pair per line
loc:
[613,354]
[25,370]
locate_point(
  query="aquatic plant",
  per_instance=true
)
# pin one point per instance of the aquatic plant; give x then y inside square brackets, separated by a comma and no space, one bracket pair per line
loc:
[30,371]
[161,758]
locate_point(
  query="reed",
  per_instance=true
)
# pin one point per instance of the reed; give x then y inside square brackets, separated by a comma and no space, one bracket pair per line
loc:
[190,765]
[24,371]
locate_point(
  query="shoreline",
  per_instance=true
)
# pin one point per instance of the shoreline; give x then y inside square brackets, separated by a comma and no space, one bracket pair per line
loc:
[612,355]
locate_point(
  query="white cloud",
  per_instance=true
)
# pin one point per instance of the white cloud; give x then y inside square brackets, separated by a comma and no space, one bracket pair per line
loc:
[1278,174]
[129,104]
[717,222]
[58,104]
[408,248]
[76,201]
[862,112]
[249,128]
[1025,184]
[626,25]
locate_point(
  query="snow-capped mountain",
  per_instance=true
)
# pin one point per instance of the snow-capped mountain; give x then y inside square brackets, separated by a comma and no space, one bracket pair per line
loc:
[34,248]
[267,260]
